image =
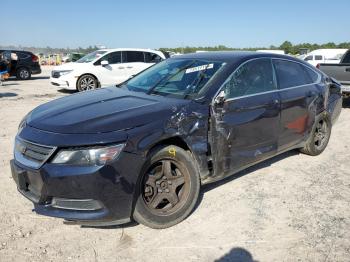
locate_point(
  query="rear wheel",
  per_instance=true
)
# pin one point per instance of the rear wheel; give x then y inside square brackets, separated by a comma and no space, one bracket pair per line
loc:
[87,82]
[23,73]
[319,137]
[169,188]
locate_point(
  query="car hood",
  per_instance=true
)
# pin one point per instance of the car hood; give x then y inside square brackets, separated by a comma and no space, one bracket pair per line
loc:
[102,110]
[71,66]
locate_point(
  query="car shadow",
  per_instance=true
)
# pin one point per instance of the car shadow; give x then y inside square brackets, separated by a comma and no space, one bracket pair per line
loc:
[39,77]
[66,91]
[7,95]
[346,102]
[237,254]
[13,78]
[266,163]
[263,164]
[127,225]
[6,83]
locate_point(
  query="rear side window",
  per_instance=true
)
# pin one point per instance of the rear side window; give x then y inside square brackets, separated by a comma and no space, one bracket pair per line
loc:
[23,55]
[291,74]
[346,58]
[318,57]
[312,74]
[253,77]
[152,58]
[133,56]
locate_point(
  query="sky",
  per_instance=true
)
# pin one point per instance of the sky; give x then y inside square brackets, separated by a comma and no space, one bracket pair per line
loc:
[155,23]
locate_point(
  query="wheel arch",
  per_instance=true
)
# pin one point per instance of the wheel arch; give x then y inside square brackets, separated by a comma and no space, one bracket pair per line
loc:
[174,141]
[23,66]
[85,74]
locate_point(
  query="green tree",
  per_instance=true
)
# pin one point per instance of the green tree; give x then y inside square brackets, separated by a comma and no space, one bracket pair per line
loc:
[287,47]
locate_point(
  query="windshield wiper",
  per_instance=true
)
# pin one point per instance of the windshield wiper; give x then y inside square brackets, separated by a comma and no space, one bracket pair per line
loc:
[150,91]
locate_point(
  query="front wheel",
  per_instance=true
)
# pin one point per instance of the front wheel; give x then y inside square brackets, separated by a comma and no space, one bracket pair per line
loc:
[319,137]
[86,82]
[169,188]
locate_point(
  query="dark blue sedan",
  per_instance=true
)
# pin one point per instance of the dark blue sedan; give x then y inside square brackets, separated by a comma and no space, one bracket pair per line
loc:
[142,150]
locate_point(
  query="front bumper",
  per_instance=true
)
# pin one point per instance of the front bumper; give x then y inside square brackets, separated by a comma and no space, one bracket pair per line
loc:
[64,82]
[95,195]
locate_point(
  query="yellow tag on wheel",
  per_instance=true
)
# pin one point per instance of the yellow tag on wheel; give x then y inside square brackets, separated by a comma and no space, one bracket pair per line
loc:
[172,151]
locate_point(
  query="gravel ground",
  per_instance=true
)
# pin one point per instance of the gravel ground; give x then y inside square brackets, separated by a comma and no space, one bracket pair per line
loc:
[290,208]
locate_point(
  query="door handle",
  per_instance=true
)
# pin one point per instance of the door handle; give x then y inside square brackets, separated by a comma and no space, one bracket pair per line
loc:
[275,101]
[121,67]
[347,69]
[129,67]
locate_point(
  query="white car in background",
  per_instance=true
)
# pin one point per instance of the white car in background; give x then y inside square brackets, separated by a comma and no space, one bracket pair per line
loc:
[324,56]
[104,67]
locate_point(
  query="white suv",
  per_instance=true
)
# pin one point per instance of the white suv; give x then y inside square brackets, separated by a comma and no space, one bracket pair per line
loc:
[104,67]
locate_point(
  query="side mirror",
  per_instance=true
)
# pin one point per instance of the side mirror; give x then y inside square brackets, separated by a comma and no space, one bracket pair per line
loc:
[104,63]
[220,98]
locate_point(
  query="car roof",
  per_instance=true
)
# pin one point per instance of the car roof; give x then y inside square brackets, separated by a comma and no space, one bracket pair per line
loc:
[128,49]
[15,51]
[231,56]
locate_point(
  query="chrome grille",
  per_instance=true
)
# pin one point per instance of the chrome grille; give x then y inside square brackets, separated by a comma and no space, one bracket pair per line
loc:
[31,154]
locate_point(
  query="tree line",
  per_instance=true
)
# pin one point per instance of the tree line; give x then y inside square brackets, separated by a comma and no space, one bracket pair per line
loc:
[287,46]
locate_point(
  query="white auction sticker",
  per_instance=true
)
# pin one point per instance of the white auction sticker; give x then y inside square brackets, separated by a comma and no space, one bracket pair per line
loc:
[199,68]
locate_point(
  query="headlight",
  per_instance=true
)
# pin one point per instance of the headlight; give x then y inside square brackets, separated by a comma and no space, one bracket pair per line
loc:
[23,122]
[63,72]
[88,156]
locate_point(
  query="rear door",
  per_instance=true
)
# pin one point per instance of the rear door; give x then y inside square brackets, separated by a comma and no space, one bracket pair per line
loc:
[133,63]
[244,127]
[298,94]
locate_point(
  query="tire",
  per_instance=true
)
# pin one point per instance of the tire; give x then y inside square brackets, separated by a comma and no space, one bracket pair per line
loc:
[23,73]
[319,137]
[87,82]
[168,171]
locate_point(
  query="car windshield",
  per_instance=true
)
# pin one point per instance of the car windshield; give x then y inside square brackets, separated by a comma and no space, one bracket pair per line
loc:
[91,57]
[181,78]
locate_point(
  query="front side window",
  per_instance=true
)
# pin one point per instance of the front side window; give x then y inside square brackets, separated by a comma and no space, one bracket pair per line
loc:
[133,56]
[291,74]
[253,77]
[346,58]
[308,58]
[112,58]
[182,78]
[91,57]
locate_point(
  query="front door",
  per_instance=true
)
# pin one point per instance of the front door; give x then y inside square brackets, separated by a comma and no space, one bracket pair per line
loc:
[114,72]
[244,125]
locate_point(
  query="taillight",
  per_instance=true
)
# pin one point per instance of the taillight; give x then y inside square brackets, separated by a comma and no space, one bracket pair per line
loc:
[318,66]
[35,58]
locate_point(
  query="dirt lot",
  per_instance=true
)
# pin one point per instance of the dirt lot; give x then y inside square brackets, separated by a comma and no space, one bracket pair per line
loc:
[291,208]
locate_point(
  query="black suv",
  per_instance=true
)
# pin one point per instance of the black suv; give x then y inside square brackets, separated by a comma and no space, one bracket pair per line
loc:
[143,150]
[27,64]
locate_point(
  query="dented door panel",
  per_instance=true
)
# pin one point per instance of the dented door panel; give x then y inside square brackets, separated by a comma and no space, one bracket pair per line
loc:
[244,131]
